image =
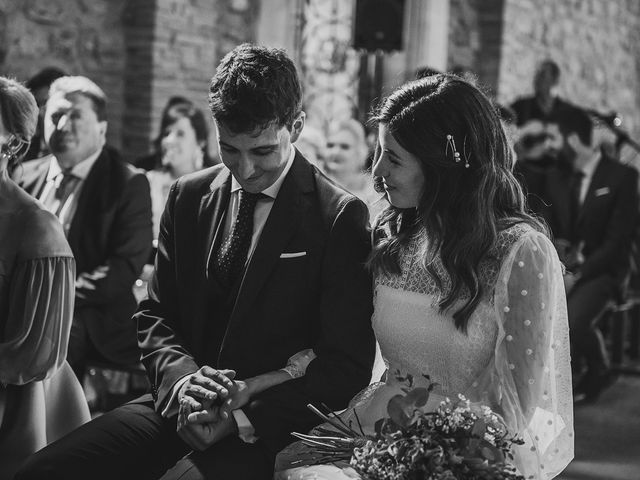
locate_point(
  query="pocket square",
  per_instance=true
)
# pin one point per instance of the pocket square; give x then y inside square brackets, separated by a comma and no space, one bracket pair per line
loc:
[293,255]
[602,191]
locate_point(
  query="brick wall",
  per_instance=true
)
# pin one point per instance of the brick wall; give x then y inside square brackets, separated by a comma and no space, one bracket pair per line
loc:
[595,42]
[475,39]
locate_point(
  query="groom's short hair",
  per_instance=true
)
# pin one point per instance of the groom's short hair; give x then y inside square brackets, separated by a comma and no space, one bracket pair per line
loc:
[255,87]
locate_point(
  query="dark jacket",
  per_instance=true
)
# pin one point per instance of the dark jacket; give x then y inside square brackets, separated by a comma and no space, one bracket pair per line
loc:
[111,238]
[320,300]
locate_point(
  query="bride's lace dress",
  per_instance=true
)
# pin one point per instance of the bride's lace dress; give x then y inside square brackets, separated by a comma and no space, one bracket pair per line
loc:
[514,355]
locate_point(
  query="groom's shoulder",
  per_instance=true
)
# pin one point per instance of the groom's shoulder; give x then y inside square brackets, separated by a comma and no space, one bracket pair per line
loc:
[199,183]
[334,199]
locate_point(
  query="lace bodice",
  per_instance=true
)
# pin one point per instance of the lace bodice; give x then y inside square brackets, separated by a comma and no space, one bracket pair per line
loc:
[415,337]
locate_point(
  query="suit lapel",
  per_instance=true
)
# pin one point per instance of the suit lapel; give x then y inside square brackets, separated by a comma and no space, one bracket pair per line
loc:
[212,209]
[598,180]
[284,220]
[93,198]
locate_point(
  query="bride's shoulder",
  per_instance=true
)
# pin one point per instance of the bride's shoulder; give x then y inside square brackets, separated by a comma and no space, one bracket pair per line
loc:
[512,235]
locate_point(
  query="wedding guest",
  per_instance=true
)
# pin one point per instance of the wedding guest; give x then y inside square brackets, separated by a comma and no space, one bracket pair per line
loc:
[468,286]
[183,147]
[39,86]
[40,398]
[591,204]
[153,160]
[259,260]
[104,206]
[345,160]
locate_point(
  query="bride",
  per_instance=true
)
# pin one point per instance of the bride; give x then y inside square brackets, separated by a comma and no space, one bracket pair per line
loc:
[468,287]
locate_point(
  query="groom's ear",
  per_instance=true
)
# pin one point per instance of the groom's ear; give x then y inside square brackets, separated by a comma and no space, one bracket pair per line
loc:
[298,125]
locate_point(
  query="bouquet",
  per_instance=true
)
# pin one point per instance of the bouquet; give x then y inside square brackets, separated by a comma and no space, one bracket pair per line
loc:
[458,440]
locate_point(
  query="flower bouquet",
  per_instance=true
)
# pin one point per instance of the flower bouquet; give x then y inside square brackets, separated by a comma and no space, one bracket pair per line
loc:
[458,440]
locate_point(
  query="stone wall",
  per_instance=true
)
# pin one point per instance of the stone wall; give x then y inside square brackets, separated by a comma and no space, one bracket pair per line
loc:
[595,42]
[82,37]
[140,52]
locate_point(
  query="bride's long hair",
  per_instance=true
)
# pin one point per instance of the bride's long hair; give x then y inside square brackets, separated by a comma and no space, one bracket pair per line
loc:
[462,209]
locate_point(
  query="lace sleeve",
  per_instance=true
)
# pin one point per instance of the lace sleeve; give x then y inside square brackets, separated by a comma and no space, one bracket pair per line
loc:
[36,330]
[532,361]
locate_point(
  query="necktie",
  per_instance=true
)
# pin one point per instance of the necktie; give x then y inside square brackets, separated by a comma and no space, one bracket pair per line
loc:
[232,254]
[57,196]
[575,186]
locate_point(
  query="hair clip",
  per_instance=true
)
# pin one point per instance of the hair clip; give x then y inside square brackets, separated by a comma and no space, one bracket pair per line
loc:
[451,144]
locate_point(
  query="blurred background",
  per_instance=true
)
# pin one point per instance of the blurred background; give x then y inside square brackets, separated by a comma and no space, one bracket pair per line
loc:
[142,52]
[349,53]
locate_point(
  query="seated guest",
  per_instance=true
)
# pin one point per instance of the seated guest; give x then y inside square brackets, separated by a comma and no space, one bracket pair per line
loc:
[345,160]
[40,397]
[591,205]
[154,159]
[39,86]
[183,147]
[104,206]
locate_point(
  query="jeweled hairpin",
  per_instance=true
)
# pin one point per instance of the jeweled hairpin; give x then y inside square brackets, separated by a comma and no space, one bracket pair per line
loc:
[451,145]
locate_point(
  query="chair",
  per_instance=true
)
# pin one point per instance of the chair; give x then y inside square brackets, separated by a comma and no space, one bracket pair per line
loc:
[108,386]
[625,333]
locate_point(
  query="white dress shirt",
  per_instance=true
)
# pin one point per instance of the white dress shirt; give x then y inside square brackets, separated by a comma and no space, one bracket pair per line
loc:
[65,208]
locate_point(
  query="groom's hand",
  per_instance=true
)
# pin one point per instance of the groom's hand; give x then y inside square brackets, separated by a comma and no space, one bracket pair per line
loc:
[239,396]
[202,436]
[205,386]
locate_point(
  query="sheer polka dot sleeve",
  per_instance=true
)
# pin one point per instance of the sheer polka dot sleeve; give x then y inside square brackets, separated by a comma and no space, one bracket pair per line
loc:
[532,362]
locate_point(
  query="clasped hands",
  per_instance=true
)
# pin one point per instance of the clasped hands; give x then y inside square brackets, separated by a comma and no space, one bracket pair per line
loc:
[206,401]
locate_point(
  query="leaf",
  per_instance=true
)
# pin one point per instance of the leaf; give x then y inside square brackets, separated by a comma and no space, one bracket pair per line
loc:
[396,408]
[378,426]
[417,397]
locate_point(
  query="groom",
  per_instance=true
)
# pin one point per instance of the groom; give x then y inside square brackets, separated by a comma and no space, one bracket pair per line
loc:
[258,259]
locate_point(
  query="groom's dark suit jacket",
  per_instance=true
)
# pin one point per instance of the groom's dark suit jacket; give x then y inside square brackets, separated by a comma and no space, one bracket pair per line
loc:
[111,239]
[607,218]
[320,299]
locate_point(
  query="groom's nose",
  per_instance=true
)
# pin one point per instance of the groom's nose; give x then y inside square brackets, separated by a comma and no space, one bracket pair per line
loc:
[246,167]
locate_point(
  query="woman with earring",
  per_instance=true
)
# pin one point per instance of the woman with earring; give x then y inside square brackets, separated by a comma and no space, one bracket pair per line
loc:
[468,286]
[40,398]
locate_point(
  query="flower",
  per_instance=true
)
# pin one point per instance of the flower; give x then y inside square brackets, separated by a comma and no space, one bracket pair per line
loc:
[459,440]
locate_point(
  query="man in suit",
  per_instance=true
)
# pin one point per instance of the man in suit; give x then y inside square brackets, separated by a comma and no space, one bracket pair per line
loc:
[105,208]
[591,205]
[260,260]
